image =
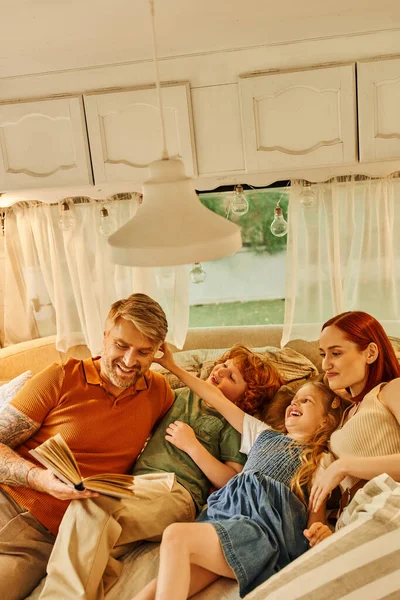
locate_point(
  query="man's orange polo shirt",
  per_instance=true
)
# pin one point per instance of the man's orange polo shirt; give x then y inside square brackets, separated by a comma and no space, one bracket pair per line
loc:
[105,433]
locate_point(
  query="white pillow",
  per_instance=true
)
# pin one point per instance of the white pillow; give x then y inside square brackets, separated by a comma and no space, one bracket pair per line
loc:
[11,389]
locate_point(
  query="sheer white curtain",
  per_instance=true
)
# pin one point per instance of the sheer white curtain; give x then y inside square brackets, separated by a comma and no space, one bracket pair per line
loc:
[63,283]
[343,253]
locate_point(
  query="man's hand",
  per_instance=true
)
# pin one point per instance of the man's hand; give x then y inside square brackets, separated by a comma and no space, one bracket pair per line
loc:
[326,481]
[181,435]
[43,480]
[316,533]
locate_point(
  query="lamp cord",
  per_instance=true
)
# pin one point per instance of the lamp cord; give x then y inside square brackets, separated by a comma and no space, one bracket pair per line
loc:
[164,155]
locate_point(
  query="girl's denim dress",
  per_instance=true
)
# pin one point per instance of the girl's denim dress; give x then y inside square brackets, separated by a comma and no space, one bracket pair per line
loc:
[259,521]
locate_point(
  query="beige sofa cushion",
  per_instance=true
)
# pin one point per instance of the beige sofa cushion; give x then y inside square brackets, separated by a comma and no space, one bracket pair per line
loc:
[291,365]
[34,356]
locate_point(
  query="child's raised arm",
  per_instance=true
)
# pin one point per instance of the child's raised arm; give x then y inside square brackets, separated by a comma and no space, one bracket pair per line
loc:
[209,393]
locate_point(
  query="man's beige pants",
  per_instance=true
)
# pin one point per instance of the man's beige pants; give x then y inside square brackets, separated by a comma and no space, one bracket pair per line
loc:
[25,547]
[94,533]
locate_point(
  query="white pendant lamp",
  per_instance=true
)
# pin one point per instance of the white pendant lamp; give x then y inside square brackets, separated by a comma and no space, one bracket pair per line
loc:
[172,227]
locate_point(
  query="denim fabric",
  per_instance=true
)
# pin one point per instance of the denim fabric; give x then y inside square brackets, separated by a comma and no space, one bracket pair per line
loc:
[259,521]
[275,454]
[260,525]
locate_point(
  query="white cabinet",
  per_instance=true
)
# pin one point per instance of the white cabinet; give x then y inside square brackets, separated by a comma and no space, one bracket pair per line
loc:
[379,109]
[125,135]
[218,133]
[43,144]
[299,119]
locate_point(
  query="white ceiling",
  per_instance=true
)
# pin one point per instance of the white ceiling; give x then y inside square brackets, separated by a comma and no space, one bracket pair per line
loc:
[50,35]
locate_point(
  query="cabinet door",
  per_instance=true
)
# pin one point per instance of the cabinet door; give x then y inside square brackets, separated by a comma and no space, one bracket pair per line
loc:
[299,119]
[125,134]
[378,84]
[43,144]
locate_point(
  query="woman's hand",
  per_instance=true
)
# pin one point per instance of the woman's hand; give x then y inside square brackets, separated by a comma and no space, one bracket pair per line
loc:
[326,481]
[164,357]
[181,435]
[316,533]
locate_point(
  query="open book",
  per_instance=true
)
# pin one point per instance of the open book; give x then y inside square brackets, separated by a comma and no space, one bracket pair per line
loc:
[55,454]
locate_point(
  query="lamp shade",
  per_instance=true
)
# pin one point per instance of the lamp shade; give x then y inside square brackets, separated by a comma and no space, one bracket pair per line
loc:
[172,227]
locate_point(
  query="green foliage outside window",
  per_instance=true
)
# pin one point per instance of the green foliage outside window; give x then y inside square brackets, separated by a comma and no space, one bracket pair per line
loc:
[255,224]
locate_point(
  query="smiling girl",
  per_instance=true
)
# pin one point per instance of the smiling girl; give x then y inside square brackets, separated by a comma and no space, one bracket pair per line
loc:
[253,526]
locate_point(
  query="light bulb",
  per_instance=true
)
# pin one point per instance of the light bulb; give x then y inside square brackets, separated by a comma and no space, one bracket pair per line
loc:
[107,225]
[66,220]
[239,204]
[279,226]
[198,274]
[307,196]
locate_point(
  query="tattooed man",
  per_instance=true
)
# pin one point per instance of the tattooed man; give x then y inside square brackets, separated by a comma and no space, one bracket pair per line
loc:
[105,408]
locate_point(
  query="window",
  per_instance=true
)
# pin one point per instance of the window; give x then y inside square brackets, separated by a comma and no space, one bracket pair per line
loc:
[247,288]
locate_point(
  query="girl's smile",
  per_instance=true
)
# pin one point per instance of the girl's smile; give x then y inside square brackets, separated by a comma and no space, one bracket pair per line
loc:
[305,413]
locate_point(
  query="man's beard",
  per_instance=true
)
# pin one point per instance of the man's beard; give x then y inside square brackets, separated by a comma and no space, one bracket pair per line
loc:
[120,381]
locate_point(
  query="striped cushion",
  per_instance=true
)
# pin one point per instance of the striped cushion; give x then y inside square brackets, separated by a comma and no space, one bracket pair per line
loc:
[361,561]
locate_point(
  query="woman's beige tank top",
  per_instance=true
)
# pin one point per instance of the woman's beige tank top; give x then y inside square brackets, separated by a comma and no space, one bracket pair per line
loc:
[371,431]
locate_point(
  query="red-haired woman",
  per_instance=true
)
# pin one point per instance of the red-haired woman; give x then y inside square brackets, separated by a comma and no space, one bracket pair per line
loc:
[357,355]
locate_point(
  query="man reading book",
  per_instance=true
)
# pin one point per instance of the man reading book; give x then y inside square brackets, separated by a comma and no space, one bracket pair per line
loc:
[104,408]
[192,448]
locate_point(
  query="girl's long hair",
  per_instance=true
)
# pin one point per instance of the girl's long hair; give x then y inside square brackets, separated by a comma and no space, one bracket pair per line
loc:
[310,458]
[362,329]
[263,380]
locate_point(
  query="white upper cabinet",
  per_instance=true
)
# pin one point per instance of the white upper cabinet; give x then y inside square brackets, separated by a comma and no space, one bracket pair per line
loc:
[219,144]
[43,144]
[379,109]
[125,134]
[299,119]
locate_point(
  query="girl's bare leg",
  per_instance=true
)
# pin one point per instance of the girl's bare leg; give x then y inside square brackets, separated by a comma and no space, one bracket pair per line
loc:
[200,578]
[185,545]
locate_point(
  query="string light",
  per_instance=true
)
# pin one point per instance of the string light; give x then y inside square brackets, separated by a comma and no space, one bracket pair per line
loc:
[239,204]
[107,223]
[279,226]
[198,274]
[67,219]
[307,196]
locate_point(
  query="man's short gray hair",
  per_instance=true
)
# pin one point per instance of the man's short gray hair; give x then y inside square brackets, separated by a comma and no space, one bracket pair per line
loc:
[145,314]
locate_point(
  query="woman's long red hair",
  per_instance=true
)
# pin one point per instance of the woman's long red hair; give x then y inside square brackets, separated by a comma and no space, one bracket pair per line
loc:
[362,329]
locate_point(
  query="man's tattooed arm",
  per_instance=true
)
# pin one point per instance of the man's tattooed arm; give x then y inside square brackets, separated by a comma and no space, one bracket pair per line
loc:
[15,428]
